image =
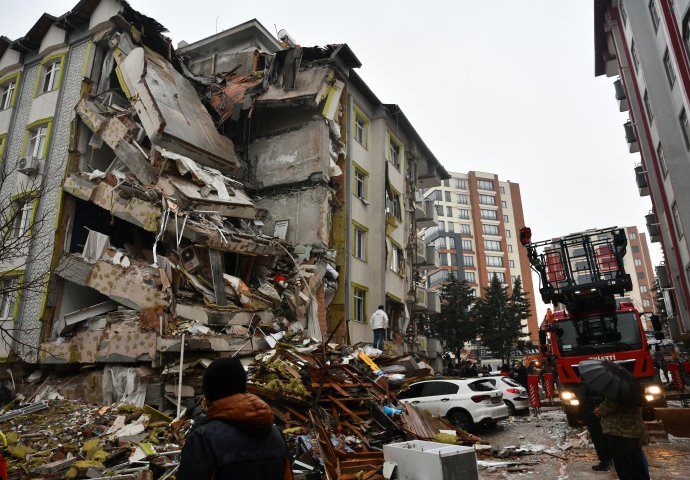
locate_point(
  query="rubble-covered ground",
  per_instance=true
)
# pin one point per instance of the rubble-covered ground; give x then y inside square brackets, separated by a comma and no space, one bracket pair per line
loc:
[546,447]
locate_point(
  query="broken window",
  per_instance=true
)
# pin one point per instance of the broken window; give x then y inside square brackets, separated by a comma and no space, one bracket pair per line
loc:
[360,184]
[359,305]
[8,298]
[22,211]
[51,75]
[397,259]
[36,147]
[393,205]
[7,90]
[394,150]
[361,125]
[360,250]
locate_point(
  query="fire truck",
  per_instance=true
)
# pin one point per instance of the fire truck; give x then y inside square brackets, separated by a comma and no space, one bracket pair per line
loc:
[582,275]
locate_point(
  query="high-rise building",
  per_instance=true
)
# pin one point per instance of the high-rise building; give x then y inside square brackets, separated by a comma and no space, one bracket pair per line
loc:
[478,234]
[638,264]
[645,45]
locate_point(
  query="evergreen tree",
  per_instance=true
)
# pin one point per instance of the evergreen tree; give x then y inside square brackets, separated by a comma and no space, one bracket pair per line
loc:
[518,313]
[454,325]
[492,316]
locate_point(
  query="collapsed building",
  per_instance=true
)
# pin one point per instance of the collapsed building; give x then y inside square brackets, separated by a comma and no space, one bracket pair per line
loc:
[203,201]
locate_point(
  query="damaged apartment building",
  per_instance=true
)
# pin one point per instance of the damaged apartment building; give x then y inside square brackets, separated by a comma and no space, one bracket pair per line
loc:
[205,200]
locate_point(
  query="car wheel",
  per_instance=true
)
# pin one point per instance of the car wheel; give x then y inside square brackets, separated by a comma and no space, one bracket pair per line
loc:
[511,407]
[461,419]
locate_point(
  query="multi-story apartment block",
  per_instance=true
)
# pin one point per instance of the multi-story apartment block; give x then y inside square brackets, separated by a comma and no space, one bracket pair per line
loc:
[645,44]
[638,264]
[478,234]
[285,192]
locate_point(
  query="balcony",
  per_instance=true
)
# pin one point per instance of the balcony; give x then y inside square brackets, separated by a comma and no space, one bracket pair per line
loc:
[426,216]
[653,227]
[663,277]
[422,299]
[641,180]
[433,302]
[621,96]
[631,137]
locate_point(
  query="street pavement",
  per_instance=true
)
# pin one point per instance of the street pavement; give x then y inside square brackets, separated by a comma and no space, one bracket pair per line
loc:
[550,435]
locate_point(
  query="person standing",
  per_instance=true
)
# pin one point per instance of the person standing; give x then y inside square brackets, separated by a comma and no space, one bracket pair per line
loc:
[379,323]
[238,438]
[625,434]
[591,400]
[521,374]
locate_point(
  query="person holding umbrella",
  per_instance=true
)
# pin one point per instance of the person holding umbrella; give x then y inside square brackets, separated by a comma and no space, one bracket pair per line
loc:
[621,416]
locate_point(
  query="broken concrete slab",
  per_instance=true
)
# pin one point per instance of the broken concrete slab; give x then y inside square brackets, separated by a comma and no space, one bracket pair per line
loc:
[213,343]
[209,316]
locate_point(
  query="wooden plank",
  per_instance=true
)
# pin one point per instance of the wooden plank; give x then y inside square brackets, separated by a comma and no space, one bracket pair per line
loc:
[347,410]
[216,260]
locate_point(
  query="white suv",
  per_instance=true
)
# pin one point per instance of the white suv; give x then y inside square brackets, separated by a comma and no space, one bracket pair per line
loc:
[464,401]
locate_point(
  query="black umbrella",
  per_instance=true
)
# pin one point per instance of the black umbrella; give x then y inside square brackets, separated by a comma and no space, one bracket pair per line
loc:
[610,380]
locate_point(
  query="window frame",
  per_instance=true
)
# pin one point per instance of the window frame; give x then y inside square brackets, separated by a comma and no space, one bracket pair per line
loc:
[11,79]
[465,229]
[468,261]
[662,160]
[497,261]
[633,54]
[648,107]
[493,245]
[395,203]
[359,116]
[470,277]
[12,276]
[364,182]
[487,199]
[394,141]
[397,258]
[676,221]
[654,14]
[28,202]
[28,136]
[481,185]
[48,62]
[684,127]
[364,291]
[461,184]
[466,242]
[362,244]
[488,226]
[668,68]
[488,214]
[462,199]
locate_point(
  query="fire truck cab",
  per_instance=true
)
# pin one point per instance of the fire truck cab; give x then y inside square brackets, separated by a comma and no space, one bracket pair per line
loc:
[581,275]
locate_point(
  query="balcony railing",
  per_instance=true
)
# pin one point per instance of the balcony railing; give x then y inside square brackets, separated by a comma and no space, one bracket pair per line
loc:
[653,227]
[641,180]
[631,137]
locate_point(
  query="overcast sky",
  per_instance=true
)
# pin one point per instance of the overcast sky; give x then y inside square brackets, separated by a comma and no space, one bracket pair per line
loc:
[501,86]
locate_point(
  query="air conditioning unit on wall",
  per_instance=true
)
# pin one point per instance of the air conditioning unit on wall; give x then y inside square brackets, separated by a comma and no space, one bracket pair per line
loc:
[28,165]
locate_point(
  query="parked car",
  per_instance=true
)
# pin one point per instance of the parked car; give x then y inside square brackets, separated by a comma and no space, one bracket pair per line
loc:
[466,402]
[515,396]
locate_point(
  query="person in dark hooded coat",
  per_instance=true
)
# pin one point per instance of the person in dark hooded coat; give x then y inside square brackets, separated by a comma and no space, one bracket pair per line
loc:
[238,438]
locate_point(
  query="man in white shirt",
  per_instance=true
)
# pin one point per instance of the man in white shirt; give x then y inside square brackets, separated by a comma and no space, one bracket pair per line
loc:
[379,324]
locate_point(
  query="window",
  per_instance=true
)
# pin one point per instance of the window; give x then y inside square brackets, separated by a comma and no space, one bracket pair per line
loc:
[668,66]
[451,227]
[471,277]
[644,289]
[512,279]
[438,277]
[637,262]
[461,184]
[662,160]
[447,196]
[468,260]
[393,205]
[397,259]
[22,213]
[359,304]
[36,146]
[646,303]
[487,199]
[451,242]
[361,129]
[676,220]
[485,184]
[435,195]
[449,211]
[492,261]
[443,258]
[508,234]
[454,260]
[7,92]
[394,152]
[654,14]
[632,236]
[502,190]
[624,15]
[635,249]
[439,210]
[360,184]
[360,250]
[685,127]
[488,214]
[442,226]
[510,249]
[465,229]
[648,107]
[462,199]
[466,244]
[493,245]
[464,214]
[633,53]
[511,263]
[504,204]
[446,183]
[51,75]
[506,219]
[440,242]
[500,275]
[8,297]
[490,229]
[640,275]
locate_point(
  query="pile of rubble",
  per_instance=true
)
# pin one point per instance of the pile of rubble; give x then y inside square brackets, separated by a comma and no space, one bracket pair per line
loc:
[335,406]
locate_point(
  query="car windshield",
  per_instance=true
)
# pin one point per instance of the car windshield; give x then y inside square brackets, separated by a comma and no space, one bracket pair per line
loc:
[615,332]
[482,386]
[510,381]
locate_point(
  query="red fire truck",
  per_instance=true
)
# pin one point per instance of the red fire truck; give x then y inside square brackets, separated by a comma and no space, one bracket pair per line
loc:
[581,275]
